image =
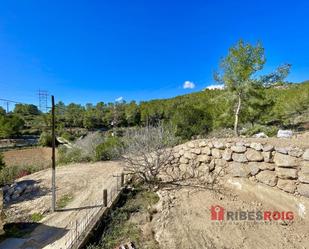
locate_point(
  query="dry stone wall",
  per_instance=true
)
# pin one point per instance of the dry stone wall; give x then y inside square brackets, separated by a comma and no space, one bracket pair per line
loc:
[284,168]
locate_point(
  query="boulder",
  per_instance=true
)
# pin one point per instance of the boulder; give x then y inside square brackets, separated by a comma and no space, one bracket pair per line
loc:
[303,177]
[203,158]
[191,145]
[260,135]
[241,158]
[256,146]
[212,165]
[239,148]
[254,168]
[227,154]
[220,162]
[286,173]
[239,169]
[196,151]
[267,177]
[219,145]
[267,156]
[303,189]
[282,150]
[268,147]
[285,160]
[189,155]
[202,144]
[216,153]
[254,156]
[285,133]
[210,145]
[306,155]
[206,151]
[183,160]
[287,185]
[297,152]
[304,167]
[266,166]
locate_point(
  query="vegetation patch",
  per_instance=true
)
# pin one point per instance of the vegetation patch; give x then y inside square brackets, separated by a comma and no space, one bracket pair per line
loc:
[64,201]
[122,226]
[36,217]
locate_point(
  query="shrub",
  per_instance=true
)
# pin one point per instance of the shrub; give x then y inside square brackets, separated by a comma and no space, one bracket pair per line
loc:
[109,149]
[9,174]
[45,139]
[71,155]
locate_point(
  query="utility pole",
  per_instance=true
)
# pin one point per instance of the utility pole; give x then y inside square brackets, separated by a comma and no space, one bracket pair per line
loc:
[53,157]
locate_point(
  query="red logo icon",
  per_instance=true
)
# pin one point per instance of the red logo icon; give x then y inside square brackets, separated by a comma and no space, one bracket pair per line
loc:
[217,212]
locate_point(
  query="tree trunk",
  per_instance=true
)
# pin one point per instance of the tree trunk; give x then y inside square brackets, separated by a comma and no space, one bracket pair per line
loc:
[236,116]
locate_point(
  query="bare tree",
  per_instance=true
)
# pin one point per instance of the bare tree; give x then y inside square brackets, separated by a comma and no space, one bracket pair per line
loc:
[147,151]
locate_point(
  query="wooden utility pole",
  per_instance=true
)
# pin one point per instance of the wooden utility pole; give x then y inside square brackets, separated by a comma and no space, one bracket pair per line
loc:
[53,157]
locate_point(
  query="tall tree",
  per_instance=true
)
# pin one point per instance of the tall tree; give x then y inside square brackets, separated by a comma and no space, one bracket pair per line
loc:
[237,72]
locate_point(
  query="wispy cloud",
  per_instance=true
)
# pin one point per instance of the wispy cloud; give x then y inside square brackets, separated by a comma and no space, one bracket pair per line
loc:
[188,85]
[212,87]
[119,99]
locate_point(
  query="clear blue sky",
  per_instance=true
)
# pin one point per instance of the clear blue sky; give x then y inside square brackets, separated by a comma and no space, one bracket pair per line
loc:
[90,51]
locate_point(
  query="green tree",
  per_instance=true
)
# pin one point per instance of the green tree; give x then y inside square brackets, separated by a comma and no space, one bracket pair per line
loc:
[25,109]
[10,126]
[237,72]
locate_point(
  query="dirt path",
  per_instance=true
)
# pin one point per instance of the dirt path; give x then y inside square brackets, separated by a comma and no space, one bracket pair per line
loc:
[185,222]
[85,182]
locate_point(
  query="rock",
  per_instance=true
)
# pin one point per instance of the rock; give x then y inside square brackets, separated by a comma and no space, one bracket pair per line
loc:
[15,196]
[7,199]
[206,151]
[203,158]
[227,154]
[304,167]
[267,156]
[297,152]
[281,150]
[216,153]
[239,148]
[268,147]
[266,166]
[196,151]
[191,145]
[254,156]
[267,177]
[240,143]
[210,145]
[219,145]
[303,189]
[256,146]
[181,152]
[212,165]
[254,168]
[239,169]
[306,155]
[285,133]
[11,190]
[285,160]
[18,190]
[303,177]
[202,144]
[241,158]
[220,162]
[287,185]
[260,135]
[183,160]
[188,155]
[286,173]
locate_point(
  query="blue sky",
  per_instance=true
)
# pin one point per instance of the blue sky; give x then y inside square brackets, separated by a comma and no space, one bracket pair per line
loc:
[90,51]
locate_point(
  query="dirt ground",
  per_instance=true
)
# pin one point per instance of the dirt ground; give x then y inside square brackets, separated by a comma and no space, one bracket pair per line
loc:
[84,181]
[185,222]
[36,156]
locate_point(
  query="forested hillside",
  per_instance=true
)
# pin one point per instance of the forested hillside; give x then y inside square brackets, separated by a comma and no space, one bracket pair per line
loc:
[282,105]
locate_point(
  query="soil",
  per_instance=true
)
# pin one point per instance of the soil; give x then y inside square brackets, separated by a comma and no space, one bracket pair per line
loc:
[185,222]
[37,156]
[85,182]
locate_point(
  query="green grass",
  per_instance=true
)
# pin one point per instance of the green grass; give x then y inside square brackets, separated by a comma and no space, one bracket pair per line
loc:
[120,229]
[64,201]
[36,217]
